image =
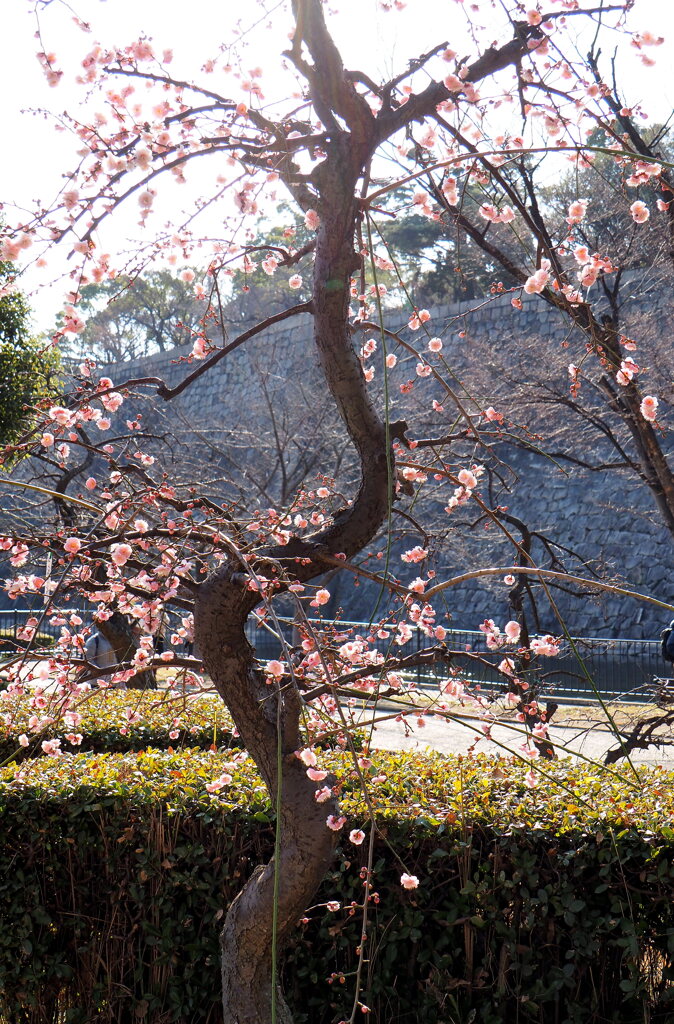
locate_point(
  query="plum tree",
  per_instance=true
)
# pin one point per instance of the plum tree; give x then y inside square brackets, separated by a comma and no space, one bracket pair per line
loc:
[142,544]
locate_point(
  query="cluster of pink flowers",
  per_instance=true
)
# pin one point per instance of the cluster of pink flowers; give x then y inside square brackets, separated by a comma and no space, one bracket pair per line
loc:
[537,282]
[415,554]
[418,318]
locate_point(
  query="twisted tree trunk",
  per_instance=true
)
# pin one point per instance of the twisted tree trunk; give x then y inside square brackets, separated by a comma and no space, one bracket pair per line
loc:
[265,717]
[268,718]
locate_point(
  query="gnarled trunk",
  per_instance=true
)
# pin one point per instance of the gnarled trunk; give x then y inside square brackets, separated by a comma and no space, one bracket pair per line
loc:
[264,716]
[119,633]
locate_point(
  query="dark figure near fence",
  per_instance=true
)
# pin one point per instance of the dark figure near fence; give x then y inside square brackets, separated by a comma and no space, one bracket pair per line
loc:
[667,637]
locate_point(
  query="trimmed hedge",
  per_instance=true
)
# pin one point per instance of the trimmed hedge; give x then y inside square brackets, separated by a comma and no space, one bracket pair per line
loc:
[196,721]
[534,905]
[159,719]
[10,643]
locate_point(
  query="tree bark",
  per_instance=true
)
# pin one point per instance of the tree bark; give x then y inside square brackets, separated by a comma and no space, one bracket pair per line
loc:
[265,716]
[120,635]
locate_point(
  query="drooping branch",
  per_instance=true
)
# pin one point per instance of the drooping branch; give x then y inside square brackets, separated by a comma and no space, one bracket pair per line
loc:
[168,393]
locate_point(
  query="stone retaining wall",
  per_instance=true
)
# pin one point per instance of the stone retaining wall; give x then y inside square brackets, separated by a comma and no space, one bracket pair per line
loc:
[607,518]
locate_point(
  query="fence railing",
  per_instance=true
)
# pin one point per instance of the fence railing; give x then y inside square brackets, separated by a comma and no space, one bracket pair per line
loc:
[622,668]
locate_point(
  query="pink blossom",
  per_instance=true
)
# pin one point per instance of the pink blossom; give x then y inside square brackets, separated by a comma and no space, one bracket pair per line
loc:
[417,586]
[51,747]
[72,545]
[9,250]
[512,630]
[422,316]
[322,794]
[649,408]
[295,281]
[218,784]
[492,634]
[90,483]
[333,905]
[467,478]
[121,553]
[311,220]
[435,345]
[112,401]
[415,554]
[453,83]
[647,39]
[322,596]
[356,836]
[72,323]
[391,360]
[640,212]
[47,440]
[409,881]
[546,646]
[23,740]
[335,823]
[589,274]
[60,415]
[275,668]
[509,580]
[537,282]
[199,348]
[623,377]
[577,211]
[316,774]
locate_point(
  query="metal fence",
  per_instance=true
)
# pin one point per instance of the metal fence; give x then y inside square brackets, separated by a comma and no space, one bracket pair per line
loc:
[621,668]
[583,670]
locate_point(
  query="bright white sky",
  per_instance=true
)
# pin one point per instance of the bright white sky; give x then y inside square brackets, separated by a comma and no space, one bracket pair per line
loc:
[380,43]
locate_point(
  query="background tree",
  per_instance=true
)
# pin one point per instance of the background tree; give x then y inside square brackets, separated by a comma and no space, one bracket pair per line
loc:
[127,317]
[130,316]
[27,367]
[434,261]
[563,271]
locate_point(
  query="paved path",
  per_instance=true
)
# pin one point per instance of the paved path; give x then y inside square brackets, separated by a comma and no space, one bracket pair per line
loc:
[456,737]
